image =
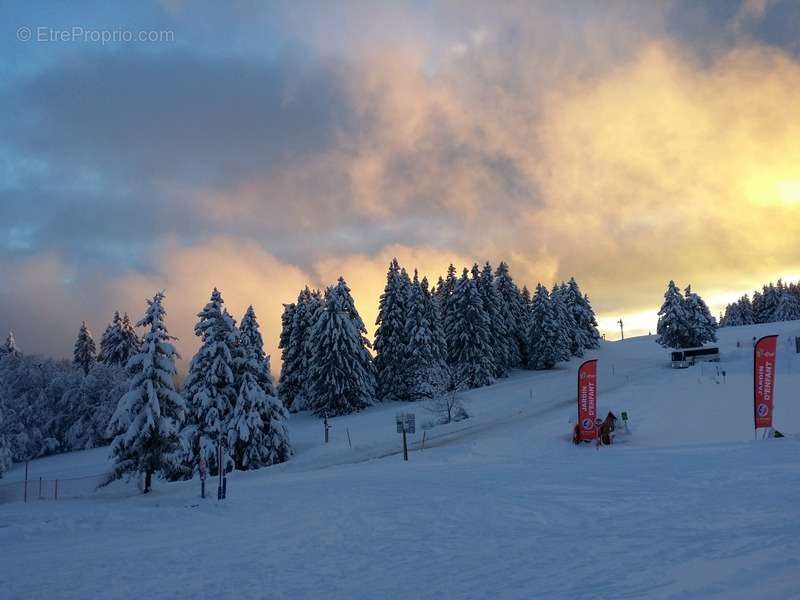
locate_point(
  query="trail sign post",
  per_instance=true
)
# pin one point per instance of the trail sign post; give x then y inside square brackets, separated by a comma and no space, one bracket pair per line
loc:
[406,423]
[327,427]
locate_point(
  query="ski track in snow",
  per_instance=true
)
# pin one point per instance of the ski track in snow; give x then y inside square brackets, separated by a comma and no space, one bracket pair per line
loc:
[497,506]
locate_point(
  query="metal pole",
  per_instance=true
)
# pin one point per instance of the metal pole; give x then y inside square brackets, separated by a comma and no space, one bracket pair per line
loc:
[405,445]
[25,492]
[56,491]
[424,433]
[325,423]
[349,443]
[40,488]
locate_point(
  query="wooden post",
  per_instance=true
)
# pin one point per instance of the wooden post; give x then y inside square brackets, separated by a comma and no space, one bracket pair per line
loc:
[424,433]
[25,491]
[349,443]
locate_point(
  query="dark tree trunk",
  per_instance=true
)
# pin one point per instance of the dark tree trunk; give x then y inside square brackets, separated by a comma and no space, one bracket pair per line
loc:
[148,477]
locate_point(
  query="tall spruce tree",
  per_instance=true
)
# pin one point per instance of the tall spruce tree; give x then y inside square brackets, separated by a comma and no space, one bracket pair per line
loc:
[584,315]
[547,345]
[702,324]
[84,355]
[391,338]
[514,313]
[210,387]
[424,367]
[257,431]
[148,418]
[341,376]
[673,326]
[119,342]
[10,346]
[788,307]
[468,332]
[572,336]
[501,336]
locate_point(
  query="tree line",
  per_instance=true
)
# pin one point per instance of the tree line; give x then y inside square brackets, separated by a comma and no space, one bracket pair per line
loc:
[773,303]
[464,332]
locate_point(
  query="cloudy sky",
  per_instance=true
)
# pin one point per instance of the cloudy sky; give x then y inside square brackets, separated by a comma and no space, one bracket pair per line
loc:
[261,146]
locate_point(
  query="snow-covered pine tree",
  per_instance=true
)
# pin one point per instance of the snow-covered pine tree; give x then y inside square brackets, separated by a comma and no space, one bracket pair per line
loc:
[341,376]
[525,350]
[758,307]
[250,339]
[148,418]
[571,335]
[84,354]
[444,289]
[119,342]
[391,339]
[731,317]
[436,323]
[102,355]
[210,387]
[257,430]
[468,333]
[745,310]
[702,324]
[584,315]
[673,326]
[788,308]
[424,368]
[769,302]
[514,313]
[547,346]
[503,344]
[291,379]
[10,346]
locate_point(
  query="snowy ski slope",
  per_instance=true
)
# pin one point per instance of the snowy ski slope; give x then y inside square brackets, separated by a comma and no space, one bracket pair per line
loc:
[498,506]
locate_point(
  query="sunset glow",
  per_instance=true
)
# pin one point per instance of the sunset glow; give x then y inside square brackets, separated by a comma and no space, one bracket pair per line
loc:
[613,142]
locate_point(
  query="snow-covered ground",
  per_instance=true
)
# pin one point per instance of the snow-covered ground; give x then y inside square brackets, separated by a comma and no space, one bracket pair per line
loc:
[499,506]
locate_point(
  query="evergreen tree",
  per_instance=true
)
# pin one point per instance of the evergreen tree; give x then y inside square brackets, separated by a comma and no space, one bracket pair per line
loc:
[788,307]
[391,339]
[119,342]
[571,336]
[104,339]
[513,310]
[758,307]
[148,418]
[424,367]
[468,333]
[340,374]
[547,345]
[257,430]
[291,378]
[745,311]
[525,324]
[210,387]
[502,340]
[10,346]
[702,325]
[673,323]
[250,339]
[444,290]
[84,354]
[584,315]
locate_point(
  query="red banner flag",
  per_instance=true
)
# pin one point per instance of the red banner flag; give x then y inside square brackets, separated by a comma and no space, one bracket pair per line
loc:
[764,380]
[587,400]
